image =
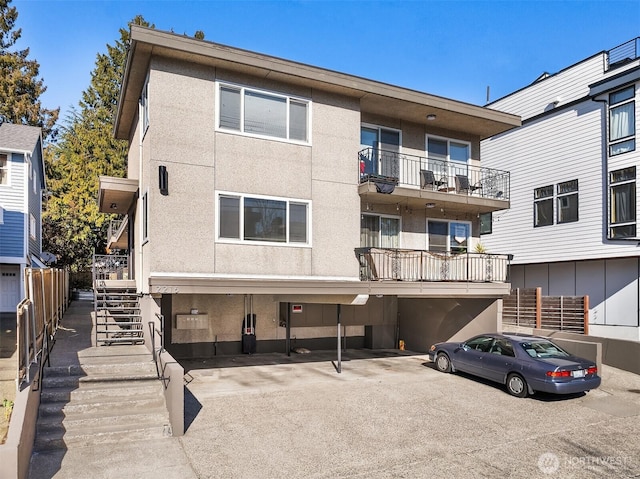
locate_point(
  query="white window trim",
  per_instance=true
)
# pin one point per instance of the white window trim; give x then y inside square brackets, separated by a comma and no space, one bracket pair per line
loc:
[7,168]
[144,108]
[448,140]
[1,215]
[243,88]
[449,221]
[242,241]
[33,234]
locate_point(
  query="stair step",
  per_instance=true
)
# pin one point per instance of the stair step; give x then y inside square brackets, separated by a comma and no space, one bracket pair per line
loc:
[125,404]
[113,365]
[61,439]
[100,391]
[76,381]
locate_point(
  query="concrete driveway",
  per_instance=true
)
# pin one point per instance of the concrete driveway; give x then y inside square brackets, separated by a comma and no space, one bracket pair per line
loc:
[395,416]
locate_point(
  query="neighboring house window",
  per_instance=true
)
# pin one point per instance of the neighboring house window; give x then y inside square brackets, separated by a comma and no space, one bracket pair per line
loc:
[486,223]
[448,236]
[144,107]
[4,169]
[32,226]
[543,206]
[622,203]
[145,216]
[382,156]
[262,113]
[379,231]
[622,121]
[1,215]
[274,220]
[568,201]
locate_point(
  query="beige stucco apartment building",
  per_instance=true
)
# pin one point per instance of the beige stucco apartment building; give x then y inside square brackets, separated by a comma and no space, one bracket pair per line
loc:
[304,196]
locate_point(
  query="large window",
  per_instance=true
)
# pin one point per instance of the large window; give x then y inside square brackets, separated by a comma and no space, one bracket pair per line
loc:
[448,150]
[448,236]
[379,231]
[622,121]
[4,169]
[622,203]
[254,219]
[543,206]
[261,113]
[567,201]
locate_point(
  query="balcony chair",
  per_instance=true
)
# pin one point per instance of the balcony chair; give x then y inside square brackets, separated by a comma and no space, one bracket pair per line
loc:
[462,184]
[428,178]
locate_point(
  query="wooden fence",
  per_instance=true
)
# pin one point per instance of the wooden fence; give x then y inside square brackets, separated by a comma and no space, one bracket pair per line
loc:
[529,308]
[38,316]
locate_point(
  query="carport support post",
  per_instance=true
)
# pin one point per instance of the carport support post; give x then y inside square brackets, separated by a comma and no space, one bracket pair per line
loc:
[288,341]
[339,368]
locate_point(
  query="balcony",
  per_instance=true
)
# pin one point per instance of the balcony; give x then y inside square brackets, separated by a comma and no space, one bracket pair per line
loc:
[408,171]
[118,234]
[386,264]
[623,54]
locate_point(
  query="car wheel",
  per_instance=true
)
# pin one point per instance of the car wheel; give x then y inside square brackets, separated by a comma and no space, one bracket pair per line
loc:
[443,364]
[517,386]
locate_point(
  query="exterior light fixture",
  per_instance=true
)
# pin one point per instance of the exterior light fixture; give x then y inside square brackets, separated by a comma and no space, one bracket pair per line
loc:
[163,180]
[113,206]
[431,117]
[430,205]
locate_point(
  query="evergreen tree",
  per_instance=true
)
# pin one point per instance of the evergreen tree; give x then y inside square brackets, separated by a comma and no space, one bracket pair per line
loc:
[20,87]
[73,227]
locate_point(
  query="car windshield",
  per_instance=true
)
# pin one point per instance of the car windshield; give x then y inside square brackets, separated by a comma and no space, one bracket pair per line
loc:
[544,349]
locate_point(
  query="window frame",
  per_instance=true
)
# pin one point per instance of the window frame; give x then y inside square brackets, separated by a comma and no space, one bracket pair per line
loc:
[566,195]
[484,221]
[469,226]
[144,226]
[289,99]
[617,105]
[613,184]
[6,168]
[33,233]
[448,140]
[144,107]
[539,197]
[380,217]
[241,212]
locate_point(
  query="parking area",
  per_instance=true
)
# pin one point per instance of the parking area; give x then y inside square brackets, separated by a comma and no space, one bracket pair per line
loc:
[391,414]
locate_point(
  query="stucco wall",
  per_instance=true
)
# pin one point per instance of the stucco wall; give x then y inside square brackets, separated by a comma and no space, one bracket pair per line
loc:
[424,322]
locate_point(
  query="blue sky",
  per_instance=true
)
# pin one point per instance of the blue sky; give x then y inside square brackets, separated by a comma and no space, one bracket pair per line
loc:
[449,48]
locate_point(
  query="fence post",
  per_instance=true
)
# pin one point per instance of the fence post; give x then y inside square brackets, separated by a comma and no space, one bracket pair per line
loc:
[538,308]
[586,315]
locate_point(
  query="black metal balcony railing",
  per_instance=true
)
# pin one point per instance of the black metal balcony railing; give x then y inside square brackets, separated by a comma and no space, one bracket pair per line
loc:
[433,174]
[624,53]
[110,267]
[387,264]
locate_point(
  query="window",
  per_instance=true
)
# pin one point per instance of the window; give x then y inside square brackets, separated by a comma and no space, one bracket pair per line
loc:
[32,226]
[260,219]
[448,236]
[384,144]
[1,215]
[622,203]
[144,107]
[622,121]
[481,343]
[260,113]
[4,169]
[486,223]
[448,150]
[567,201]
[145,217]
[543,206]
[379,231]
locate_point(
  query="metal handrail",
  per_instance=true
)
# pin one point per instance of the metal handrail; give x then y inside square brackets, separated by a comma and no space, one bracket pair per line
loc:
[623,53]
[157,351]
[408,170]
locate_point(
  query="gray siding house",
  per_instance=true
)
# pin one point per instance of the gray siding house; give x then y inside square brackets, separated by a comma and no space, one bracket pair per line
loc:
[573,223]
[22,181]
[303,196]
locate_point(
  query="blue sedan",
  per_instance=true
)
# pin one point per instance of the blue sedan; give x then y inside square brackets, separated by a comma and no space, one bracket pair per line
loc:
[525,364]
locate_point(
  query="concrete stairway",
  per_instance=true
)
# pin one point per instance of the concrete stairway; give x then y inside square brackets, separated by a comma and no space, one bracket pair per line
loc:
[112,396]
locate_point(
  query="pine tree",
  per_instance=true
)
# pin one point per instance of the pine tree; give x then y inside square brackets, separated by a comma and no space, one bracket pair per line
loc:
[72,226]
[20,87]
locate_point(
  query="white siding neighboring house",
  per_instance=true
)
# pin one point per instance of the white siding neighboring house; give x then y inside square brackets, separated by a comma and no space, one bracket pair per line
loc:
[22,181]
[574,162]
